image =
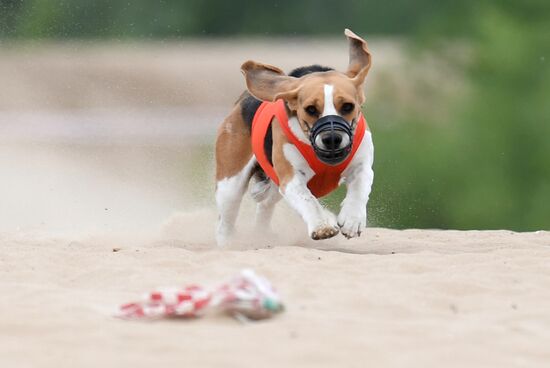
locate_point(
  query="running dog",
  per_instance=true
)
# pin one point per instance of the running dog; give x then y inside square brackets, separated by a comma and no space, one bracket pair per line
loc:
[298,136]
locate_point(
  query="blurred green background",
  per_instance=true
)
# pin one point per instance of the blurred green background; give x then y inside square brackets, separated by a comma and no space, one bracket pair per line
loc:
[477,157]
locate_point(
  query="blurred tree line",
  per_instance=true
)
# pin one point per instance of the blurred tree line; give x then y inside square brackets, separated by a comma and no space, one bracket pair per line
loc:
[486,166]
[175,18]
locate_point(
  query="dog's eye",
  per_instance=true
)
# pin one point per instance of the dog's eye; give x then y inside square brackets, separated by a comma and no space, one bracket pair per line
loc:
[312,110]
[347,108]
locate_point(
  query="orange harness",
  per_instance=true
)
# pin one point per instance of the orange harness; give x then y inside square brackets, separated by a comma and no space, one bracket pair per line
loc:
[326,177]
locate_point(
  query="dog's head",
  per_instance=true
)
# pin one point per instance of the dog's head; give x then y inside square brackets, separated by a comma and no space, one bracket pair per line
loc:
[326,104]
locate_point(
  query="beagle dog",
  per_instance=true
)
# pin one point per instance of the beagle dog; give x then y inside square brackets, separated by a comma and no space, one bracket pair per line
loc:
[298,136]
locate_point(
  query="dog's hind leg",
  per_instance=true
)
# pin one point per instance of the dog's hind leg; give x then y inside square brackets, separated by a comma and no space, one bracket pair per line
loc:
[234,166]
[229,193]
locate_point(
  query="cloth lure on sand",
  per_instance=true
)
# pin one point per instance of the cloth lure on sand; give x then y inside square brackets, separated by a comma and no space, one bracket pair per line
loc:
[246,297]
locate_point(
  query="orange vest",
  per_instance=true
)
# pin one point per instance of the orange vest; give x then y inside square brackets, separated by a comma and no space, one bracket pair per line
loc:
[326,177]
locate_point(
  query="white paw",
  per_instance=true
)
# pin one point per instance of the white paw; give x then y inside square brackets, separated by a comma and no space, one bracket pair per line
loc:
[352,221]
[326,228]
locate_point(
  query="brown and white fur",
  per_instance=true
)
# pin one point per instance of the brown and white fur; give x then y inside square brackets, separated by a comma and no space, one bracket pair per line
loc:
[330,93]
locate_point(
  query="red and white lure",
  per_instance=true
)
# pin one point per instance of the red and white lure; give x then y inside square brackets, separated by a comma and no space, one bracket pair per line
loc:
[246,296]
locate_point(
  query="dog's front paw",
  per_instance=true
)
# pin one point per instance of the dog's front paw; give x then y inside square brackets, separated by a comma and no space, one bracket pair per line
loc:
[327,228]
[352,221]
[324,232]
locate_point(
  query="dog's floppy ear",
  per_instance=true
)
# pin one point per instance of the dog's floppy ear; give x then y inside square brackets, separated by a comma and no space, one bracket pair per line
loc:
[359,58]
[269,83]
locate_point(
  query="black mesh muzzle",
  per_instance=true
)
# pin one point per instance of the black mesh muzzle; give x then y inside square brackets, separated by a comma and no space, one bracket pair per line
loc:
[332,129]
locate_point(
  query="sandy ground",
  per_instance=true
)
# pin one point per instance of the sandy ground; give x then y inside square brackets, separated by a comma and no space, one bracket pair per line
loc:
[106,147]
[392,299]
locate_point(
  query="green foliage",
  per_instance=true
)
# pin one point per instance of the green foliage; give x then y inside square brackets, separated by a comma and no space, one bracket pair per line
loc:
[488,166]
[173,18]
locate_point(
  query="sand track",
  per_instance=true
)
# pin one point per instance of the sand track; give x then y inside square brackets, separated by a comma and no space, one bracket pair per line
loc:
[395,298]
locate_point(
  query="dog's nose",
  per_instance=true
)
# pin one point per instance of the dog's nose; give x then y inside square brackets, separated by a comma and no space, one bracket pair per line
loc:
[332,140]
